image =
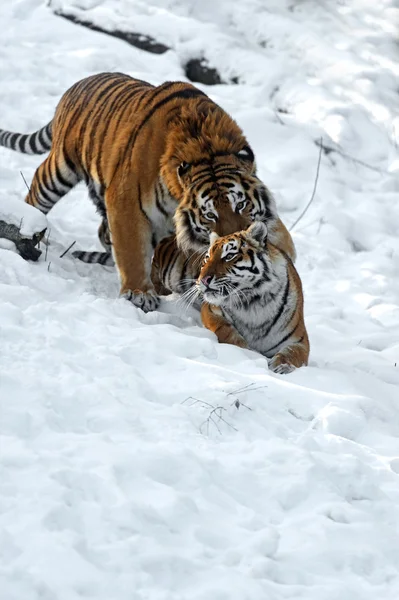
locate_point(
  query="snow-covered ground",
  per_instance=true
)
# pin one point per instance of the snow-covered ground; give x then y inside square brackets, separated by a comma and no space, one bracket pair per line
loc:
[141,460]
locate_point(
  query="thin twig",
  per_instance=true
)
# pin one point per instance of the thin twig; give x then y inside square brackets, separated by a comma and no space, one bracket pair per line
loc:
[48,268]
[314,188]
[20,224]
[246,388]
[45,255]
[210,419]
[237,403]
[22,175]
[68,249]
[215,411]
[352,158]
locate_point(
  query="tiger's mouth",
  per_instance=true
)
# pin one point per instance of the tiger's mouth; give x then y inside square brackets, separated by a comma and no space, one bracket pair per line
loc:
[215,295]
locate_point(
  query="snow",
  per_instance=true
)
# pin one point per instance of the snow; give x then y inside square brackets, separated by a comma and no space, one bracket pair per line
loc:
[28,219]
[139,458]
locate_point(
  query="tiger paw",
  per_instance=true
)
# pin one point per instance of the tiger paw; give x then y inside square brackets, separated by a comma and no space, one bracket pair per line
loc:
[279,365]
[147,301]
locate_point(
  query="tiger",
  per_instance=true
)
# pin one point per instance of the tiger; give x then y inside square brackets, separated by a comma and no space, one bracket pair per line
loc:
[250,291]
[156,160]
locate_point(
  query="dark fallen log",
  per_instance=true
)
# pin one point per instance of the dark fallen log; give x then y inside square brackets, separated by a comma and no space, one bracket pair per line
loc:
[197,70]
[138,40]
[26,246]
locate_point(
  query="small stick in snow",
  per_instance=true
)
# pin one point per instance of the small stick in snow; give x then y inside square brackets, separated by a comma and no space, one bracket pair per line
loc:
[48,268]
[314,187]
[215,411]
[248,388]
[27,186]
[329,149]
[68,249]
[47,244]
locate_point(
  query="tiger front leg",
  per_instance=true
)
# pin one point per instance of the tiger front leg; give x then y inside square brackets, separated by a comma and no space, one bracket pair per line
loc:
[131,233]
[290,358]
[213,319]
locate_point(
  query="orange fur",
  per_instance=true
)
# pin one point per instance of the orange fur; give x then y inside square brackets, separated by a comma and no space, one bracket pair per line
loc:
[285,342]
[128,141]
[213,319]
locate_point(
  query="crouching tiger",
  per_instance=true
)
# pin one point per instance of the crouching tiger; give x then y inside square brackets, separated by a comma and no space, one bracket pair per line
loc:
[155,160]
[250,290]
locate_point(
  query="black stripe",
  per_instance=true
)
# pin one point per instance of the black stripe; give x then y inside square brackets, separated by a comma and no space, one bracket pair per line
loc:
[170,266]
[141,205]
[101,104]
[285,338]
[104,257]
[266,200]
[125,97]
[158,90]
[87,90]
[281,309]
[49,132]
[185,225]
[46,177]
[68,161]
[13,139]
[126,100]
[110,109]
[54,188]
[60,178]
[43,194]
[21,142]
[32,143]
[40,137]
[158,203]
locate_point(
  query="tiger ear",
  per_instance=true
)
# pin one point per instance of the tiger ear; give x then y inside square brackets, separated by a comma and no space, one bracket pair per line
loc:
[258,232]
[213,236]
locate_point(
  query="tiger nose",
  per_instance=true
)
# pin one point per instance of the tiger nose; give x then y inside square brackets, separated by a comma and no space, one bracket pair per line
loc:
[206,281]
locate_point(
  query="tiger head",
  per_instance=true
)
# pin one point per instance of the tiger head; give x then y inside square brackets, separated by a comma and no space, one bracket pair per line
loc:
[209,167]
[238,266]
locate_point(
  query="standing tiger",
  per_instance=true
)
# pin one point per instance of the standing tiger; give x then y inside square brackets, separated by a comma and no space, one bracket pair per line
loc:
[155,160]
[250,290]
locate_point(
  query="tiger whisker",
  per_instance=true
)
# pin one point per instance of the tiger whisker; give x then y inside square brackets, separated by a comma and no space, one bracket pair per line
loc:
[188,298]
[198,260]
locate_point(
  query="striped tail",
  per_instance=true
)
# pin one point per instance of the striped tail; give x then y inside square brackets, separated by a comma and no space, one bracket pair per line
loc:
[29,143]
[101,258]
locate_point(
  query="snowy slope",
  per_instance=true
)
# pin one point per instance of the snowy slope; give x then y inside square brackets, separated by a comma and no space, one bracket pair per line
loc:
[139,458]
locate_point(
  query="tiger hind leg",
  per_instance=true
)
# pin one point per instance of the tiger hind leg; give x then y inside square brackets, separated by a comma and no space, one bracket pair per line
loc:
[51,181]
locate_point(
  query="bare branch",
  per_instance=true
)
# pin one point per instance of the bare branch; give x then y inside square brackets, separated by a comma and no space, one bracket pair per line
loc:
[329,149]
[68,249]
[216,412]
[314,187]
[27,186]
[246,388]
[48,236]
